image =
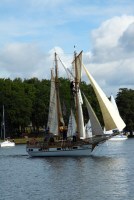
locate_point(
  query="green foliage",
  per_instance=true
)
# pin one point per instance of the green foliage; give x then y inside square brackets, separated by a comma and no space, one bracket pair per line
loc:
[125,103]
[64,87]
[27,102]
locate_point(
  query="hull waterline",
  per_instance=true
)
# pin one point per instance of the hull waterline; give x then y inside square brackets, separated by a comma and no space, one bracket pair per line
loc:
[118,138]
[59,152]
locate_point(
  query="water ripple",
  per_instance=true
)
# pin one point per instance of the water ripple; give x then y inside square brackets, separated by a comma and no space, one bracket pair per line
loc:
[106,174]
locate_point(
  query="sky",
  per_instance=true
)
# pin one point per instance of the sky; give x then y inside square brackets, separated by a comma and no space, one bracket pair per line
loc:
[31,31]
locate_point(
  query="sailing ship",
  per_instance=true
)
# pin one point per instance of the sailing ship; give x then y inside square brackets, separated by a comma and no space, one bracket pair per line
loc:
[74,141]
[6,142]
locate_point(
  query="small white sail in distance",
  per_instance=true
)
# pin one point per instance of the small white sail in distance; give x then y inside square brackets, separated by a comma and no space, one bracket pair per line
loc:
[114,102]
[95,124]
[111,117]
[71,125]
[88,129]
[108,132]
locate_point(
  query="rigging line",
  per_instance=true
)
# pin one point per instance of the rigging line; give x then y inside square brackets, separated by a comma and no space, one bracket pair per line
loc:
[66,69]
[72,76]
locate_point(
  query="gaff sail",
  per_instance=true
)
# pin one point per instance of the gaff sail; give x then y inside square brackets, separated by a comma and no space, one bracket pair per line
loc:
[52,116]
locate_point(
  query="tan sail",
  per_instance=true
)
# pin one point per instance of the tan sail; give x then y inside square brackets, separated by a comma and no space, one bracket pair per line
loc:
[59,112]
[55,117]
[111,117]
[52,116]
[78,62]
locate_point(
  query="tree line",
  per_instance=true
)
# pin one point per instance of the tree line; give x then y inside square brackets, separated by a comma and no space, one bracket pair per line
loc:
[26,104]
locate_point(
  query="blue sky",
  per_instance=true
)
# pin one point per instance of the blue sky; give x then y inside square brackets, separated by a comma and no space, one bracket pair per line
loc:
[31,30]
[57,22]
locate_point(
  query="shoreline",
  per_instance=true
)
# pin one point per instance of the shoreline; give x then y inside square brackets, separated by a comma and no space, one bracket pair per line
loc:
[22,140]
[25,140]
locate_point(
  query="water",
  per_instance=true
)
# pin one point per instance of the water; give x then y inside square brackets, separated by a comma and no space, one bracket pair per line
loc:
[107,174]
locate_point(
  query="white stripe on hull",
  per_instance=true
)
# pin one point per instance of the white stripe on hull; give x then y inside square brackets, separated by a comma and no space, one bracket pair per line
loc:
[36,152]
[118,139]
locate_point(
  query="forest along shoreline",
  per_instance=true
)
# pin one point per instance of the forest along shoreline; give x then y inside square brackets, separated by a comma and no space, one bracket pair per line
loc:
[39,139]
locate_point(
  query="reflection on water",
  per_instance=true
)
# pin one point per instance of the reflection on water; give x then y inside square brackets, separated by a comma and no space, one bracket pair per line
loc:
[107,173]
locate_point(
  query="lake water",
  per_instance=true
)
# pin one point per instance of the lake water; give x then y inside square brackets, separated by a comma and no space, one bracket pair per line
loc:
[107,174]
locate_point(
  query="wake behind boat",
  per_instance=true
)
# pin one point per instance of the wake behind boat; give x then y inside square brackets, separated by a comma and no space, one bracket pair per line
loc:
[74,142]
[119,137]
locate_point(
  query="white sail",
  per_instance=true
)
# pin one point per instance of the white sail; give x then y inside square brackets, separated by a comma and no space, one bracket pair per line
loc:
[111,117]
[71,125]
[88,129]
[115,106]
[95,124]
[80,117]
[108,132]
[114,102]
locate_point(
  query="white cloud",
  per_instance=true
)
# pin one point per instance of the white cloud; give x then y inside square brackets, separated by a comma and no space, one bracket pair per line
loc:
[110,61]
[127,39]
[113,53]
[107,37]
[27,61]
[19,59]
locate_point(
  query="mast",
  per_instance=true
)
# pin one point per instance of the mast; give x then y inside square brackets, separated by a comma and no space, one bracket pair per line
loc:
[76,96]
[3,122]
[57,91]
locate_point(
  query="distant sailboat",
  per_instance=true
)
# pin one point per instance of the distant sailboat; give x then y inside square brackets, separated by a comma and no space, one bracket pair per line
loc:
[77,142]
[6,142]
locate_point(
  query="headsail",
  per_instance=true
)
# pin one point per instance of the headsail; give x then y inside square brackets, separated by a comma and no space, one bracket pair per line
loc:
[95,124]
[111,117]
